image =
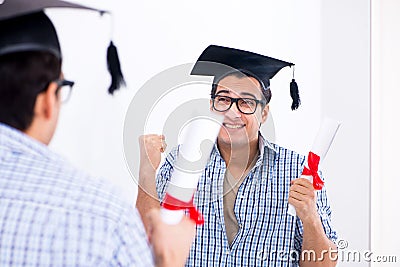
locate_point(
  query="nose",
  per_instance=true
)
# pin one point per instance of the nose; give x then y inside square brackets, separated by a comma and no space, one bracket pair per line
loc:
[233,112]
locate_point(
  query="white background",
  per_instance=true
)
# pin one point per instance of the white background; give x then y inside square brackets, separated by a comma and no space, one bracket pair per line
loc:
[329,41]
[385,127]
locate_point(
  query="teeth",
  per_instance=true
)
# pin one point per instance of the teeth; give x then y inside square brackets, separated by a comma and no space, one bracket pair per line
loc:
[233,126]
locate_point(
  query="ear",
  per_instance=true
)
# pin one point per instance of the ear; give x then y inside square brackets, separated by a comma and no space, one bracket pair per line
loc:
[264,113]
[211,105]
[46,102]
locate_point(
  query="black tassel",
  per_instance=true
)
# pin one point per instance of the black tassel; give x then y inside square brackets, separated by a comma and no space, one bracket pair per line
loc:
[114,68]
[294,93]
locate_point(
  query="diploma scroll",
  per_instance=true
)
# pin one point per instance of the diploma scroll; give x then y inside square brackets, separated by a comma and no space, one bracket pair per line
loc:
[320,148]
[193,153]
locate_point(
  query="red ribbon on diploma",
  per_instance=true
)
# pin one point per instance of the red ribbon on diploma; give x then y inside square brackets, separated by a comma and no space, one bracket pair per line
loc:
[171,203]
[313,162]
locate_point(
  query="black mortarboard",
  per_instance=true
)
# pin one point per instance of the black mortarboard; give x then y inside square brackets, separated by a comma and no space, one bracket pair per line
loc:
[261,67]
[25,27]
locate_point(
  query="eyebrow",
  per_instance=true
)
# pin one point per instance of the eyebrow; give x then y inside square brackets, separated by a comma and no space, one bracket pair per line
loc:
[222,91]
[242,94]
[248,94]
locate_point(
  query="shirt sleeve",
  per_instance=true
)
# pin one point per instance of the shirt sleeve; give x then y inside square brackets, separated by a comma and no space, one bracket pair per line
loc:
[324,211]
[130,242]
[164,173]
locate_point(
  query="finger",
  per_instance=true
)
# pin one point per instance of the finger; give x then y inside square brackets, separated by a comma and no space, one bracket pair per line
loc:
[163,146]
[188,223]
[153,140]
[297,195]
[146,140]
[147,136]
[186,220]
[303,182]
[301,188]
[295,202]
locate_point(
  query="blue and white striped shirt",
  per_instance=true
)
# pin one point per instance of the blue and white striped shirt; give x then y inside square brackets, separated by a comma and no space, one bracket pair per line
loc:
[267,235]
[52,214]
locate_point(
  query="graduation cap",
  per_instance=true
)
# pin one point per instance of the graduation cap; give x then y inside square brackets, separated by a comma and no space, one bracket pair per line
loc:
[25,27]
[228,60]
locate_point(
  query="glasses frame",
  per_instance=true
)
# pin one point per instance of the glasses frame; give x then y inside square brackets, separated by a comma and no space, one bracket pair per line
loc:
[61,83]
[236,100]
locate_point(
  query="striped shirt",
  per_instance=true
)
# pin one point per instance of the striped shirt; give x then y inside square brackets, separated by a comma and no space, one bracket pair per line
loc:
[267,235]
[52,214]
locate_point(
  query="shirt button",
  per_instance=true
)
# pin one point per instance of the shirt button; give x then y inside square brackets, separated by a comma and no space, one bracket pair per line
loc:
[240,225]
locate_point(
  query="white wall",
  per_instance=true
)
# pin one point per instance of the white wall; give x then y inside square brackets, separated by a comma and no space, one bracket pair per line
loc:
[346,96]
[153,36]
[385,128]
[328,42]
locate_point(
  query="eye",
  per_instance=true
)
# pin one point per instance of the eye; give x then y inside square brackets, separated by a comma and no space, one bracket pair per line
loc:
[223,99]
[247,102]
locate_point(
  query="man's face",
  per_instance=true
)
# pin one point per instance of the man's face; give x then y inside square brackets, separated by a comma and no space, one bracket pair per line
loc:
[240,129]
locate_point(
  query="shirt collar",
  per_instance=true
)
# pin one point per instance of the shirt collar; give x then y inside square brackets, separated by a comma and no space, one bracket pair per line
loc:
[18,142]
[262,144]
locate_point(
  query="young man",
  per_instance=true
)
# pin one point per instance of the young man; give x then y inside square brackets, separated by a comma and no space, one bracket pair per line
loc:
[52,214]
[248,182]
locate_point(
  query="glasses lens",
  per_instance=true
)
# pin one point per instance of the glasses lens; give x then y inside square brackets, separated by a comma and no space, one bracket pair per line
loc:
[222,103]
[64,90]
[247,105]
[64,93]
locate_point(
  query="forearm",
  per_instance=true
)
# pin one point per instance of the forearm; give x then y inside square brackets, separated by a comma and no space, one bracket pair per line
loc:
[147,197]
[317,248]
[167,260]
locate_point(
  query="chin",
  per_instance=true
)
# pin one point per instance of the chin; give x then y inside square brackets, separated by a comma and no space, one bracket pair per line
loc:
[236,137]
[230,140]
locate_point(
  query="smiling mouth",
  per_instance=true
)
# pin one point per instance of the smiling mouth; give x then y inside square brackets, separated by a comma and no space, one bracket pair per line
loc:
[233,126]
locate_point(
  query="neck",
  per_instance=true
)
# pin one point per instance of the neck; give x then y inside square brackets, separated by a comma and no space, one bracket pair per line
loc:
[39,133]
[240,156]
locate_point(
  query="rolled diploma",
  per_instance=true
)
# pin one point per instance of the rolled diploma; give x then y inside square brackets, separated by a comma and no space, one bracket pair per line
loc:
[321,145]
[194,152]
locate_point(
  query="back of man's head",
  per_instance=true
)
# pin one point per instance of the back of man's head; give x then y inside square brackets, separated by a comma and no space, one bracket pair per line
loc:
[23,76]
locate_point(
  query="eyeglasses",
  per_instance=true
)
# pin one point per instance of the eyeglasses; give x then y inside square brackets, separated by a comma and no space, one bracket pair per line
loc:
[64,88]
[244,105]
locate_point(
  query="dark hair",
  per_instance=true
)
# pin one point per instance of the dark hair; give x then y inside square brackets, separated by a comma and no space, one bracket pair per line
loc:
[23,76]
[266,92]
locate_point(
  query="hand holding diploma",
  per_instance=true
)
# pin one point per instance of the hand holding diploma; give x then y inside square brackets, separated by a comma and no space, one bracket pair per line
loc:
[302,196]
[193,154]
[171,243]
